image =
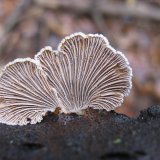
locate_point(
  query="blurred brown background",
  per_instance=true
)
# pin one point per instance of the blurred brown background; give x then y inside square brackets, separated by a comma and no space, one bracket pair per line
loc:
[132,26]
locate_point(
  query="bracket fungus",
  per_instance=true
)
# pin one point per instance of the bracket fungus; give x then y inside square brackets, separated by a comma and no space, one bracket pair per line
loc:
[25,95]
[85,71]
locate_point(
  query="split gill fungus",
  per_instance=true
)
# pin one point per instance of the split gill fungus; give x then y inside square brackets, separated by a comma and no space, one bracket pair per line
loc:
[85,71]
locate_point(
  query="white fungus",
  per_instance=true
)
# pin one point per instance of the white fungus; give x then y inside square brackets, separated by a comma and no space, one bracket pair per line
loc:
[85,71]
[25,95]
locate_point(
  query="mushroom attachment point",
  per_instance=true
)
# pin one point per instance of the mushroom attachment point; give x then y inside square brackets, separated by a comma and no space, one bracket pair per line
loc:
[25,94]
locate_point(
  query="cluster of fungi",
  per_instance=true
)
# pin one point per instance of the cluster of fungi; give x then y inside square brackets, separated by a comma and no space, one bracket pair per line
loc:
[85,71]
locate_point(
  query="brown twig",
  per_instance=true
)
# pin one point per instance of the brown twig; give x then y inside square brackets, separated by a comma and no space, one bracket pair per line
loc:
[98,18]
[139,10]
[11,22]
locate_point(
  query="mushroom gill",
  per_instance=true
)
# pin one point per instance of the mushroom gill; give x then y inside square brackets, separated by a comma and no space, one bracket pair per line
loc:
[86,72]
[25,94]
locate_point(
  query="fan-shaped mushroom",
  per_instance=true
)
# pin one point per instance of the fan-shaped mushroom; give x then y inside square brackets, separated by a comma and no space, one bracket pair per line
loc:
[86,72]
[25,95]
